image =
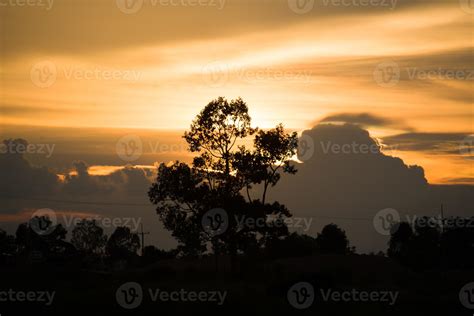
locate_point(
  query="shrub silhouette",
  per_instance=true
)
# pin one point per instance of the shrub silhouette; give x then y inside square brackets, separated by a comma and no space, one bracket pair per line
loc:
[423,246]
[7,244]
[333,240]
[122,244]
[88,237]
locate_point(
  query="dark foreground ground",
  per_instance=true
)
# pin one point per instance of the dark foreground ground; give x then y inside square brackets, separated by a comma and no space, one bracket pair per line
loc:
[251,287]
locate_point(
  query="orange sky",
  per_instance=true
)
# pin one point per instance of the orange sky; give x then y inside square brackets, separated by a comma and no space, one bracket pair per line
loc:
[89,64]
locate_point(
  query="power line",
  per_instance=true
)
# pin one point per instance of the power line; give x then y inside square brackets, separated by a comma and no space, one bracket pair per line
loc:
[142,234]
[346,218]
[73,201]
[143,204]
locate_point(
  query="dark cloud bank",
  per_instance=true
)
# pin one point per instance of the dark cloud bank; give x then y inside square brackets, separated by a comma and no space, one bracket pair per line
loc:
[347,180]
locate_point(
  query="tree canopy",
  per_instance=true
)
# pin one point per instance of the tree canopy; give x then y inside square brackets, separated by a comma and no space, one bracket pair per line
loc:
[222,176]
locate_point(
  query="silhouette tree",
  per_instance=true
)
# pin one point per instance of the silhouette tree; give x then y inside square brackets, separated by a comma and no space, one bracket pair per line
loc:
[400,244]
[7,244]
[217,177]
[417,247]
[122,244]
[273,152]
[88,237]
[216,130]
[49,242]
[27,235]
[294,245]
[427,245]
[333,240]
[152,254]
[457,244]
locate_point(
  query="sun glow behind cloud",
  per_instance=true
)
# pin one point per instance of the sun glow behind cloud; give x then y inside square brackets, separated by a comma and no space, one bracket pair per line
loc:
[295,72]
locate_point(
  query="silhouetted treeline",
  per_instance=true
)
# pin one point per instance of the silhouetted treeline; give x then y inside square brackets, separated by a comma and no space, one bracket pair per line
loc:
[432,243]
[418,246]
[218,205]
[94,249]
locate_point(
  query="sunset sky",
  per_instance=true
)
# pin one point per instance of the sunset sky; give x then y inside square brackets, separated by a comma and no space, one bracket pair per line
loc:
[406,65]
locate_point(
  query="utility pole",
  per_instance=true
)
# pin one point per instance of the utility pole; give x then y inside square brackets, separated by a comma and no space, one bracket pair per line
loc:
[442,218]
[142,234]
[444,272]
